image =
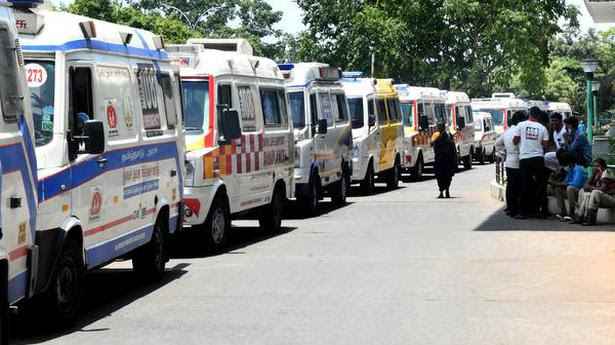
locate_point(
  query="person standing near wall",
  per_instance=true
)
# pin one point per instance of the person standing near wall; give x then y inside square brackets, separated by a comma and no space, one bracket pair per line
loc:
[506,143]
[531,137]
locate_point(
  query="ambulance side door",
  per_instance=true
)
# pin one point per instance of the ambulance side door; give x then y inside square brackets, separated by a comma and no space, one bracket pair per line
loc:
[326,141]
[231,151]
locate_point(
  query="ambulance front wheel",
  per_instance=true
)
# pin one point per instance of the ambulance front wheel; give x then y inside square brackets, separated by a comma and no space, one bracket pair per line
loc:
[150,260]
[417,171]
[218,223]
[481,156]
[467,162]
[309,202]
[393,178]
[492,156]
[64,296]
[270,217]
[339,192]
[367,185]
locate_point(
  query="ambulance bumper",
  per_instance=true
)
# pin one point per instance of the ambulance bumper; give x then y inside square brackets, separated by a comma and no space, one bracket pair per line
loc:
[197,201]
[359,168]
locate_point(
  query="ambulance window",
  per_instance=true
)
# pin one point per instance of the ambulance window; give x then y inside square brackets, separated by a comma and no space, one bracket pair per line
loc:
[10,89]
[335,108]
[355,105]
[382,111]
[196,104]
[80,103]
[393,110]
[407,112]
[469,114]
[169,100]
[370,107]
[440,113]
[225,100]
[283,106]
[270,103]
[325,108]
[297,108]
[421,109]
[42,94]
[148,92]
[342,108]
[449,114]
[246,108]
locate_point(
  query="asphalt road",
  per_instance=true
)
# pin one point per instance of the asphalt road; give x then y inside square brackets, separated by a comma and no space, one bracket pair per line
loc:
[400,267]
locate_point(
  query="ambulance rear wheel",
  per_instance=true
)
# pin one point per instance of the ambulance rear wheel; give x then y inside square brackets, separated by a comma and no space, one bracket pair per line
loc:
[492,156]
[339,193]
[367,185]
[218,223]
[150,260]
[417,171]
[64,296]
[481,156]
[467,162]
[393,178]
[4,323]
[270,218]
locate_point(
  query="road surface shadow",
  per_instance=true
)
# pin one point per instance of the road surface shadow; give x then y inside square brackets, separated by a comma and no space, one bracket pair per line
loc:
[190,244]
[499,221]
[379,188]
[296,212]
[107,290]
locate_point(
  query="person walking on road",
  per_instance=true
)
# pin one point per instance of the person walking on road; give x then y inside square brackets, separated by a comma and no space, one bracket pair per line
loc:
[513,180]
[531,137]
[445,151]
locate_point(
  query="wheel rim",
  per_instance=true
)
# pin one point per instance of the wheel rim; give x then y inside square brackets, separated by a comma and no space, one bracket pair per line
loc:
[218,226]
[65,285]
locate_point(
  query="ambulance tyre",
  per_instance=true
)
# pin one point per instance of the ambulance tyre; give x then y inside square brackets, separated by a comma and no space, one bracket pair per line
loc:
[218,223]
[492,156]
[467,162]
[481,156]
[309,202]
[270,217]
[417,171]
[4,323]
[393,178]
[150,260]
[339,192]
[64,296]
[367,185]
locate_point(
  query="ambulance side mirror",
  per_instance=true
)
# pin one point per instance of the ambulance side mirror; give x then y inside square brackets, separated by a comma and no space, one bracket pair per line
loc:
[94,137]
[322,126]
[461,122]
[371,120]
[231,126]
[423,123]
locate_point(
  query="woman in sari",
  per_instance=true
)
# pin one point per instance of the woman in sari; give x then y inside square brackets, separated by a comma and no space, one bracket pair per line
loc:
[445,151]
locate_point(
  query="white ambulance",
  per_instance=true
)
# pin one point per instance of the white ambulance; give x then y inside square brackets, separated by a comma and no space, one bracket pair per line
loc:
[560,107]
[422,108]
[323,132]
[239,139]
[461,124]
[109,148]
[17,176]
[377,134]
[501,106]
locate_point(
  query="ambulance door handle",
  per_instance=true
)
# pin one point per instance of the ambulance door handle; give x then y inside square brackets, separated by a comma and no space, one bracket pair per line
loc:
[102,161]
[173,172]
[15,202]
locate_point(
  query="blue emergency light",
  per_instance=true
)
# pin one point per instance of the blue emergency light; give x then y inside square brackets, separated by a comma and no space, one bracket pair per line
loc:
[286,67]
[26,3]
[352,75]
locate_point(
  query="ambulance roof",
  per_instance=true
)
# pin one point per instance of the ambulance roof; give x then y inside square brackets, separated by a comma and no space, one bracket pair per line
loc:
[237,45]
[413,93]
[303,73]
[198,61]
[61,31]
[453,97]
[359,87]
[559,106]
[497,103]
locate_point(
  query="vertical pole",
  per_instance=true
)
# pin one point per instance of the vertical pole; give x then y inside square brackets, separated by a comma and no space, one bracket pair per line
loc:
[373,64]
[590,121]
[596,112]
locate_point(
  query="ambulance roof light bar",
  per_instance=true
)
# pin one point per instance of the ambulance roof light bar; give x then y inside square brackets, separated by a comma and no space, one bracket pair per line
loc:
[352,75]
[26,3]
[329,73]
[503,95]
[286,68]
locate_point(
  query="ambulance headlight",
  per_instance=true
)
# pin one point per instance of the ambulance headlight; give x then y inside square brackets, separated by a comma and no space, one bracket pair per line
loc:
[189,173]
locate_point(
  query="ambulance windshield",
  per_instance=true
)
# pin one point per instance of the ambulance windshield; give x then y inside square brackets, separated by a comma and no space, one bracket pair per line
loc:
[41,82]
[196,104]
[496,114]
[407,111]
[355,106]
[297,108]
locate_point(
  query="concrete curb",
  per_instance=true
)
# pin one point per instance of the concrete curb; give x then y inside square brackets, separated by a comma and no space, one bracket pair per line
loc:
[498,192]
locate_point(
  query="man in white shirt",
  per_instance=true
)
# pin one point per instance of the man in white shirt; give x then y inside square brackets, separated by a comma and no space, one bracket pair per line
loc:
[506,143]
[559,130]
[532,138]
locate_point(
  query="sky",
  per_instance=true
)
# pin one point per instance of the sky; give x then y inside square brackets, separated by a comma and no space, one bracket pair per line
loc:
[292,19]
